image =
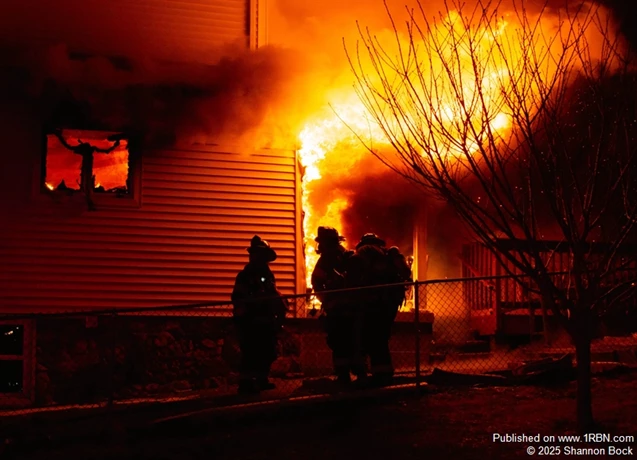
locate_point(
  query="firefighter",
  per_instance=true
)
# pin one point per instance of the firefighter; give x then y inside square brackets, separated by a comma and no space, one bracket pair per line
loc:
[259,310]
[399,273]
[378,266]
[340,313]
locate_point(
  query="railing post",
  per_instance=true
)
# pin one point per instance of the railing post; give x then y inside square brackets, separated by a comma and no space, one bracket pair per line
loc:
[417,333]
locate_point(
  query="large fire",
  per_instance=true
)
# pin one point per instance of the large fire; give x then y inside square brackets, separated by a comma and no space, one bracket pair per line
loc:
[349,122]
[322,139]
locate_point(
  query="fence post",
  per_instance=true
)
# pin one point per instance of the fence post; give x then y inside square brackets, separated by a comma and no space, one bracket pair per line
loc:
[111,360]
[417,333]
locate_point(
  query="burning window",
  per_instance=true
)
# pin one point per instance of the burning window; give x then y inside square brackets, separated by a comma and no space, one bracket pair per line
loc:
[81,160]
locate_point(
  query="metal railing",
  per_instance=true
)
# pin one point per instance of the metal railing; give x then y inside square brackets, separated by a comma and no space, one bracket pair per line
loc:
[487,326]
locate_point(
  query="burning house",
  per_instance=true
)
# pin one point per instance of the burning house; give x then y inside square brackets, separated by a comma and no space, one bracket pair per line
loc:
[171,213]
[126,182]
[144,150]
[147,142]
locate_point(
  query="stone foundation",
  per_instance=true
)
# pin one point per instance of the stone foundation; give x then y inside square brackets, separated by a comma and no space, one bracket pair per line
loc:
[87,360]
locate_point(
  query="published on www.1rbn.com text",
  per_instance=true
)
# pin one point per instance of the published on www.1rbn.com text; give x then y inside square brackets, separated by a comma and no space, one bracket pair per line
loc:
[592,444]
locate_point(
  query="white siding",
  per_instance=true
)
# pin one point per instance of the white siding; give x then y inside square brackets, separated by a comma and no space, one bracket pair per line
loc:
[184,245]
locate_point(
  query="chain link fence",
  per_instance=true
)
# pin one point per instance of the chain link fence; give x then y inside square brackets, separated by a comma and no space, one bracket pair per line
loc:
[468,330]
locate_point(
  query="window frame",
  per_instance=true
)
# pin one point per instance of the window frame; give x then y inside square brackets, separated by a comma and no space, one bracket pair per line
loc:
[28,357]
[101,200]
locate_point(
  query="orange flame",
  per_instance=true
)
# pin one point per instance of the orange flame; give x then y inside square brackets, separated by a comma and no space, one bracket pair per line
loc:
[331,140]
[321,139]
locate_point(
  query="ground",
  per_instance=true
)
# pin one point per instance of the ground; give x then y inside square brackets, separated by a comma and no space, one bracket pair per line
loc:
[456,423]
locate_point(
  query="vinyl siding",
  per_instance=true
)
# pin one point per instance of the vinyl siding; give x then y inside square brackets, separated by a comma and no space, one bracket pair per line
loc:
[175,30]
[185,244]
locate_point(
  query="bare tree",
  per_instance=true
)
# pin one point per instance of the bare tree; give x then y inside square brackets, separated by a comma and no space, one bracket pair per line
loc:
[525,122]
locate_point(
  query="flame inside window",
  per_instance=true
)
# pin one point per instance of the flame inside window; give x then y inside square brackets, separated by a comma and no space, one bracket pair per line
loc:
[63,166]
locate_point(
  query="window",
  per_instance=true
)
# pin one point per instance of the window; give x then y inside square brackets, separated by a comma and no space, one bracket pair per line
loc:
[16,362]
[95,164]
[11,347]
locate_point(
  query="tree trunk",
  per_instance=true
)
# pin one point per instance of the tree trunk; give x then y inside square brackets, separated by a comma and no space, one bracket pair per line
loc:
[545,327]
[584,398]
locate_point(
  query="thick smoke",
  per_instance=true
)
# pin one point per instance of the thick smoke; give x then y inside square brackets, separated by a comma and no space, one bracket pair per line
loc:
[383,202]
[379,200]
[262,98]
[263,95]
[230,101]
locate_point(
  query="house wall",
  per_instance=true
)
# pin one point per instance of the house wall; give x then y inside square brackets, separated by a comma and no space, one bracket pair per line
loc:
[175,30]
[199,205]
[184,244]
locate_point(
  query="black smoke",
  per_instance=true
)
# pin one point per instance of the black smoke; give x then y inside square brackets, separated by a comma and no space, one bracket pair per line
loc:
[224,101]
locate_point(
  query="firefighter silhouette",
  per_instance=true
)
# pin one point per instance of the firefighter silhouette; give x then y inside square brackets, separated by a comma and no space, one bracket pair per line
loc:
[375,265]
[343,319]
[259,310]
